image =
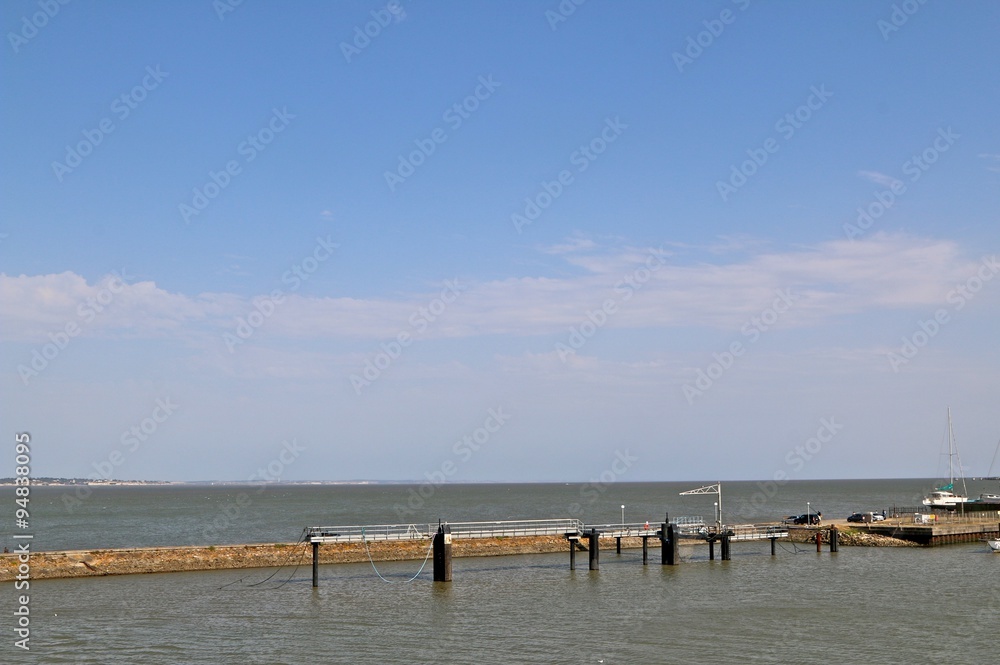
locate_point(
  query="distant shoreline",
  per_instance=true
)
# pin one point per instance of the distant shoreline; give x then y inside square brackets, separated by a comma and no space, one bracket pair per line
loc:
[90,482]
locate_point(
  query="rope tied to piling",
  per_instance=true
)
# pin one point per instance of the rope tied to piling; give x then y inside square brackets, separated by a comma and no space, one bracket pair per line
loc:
[364,540]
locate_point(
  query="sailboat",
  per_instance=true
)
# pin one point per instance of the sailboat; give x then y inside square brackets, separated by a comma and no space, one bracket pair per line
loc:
[945,496]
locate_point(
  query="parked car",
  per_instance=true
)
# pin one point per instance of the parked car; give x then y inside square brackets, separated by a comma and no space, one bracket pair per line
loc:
[811,518]
[865,517]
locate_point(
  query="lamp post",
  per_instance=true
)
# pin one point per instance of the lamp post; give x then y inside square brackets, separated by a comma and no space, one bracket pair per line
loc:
[808,511]
[718,518]
[623,517]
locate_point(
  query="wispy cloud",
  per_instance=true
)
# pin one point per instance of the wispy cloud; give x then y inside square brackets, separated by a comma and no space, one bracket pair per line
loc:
[880,179]
[832,279]
[992,161]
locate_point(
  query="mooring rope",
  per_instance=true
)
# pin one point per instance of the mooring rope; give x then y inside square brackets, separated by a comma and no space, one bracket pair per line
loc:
[364,539]
[796,549]
[291,552]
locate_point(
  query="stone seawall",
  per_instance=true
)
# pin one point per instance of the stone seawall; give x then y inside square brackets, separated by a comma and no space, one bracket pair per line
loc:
[91,563]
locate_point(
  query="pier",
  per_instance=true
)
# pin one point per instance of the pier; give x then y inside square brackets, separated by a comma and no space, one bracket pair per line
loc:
[669,534]
[931,535]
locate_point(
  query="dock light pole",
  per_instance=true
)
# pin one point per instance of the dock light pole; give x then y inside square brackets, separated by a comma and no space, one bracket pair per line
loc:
[623,517]
[808,511]
[718,518]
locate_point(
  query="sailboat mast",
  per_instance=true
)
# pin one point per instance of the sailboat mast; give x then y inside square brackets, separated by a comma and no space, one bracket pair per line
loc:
[951,451]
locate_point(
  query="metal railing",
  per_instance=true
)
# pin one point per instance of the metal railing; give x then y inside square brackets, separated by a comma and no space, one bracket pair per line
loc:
[907,513]
[690,525]
[755,532]
[371,532]
[379,532]
[625,530]
[553,527]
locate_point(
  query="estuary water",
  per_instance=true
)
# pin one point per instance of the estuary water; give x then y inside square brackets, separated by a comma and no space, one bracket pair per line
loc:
[899,605]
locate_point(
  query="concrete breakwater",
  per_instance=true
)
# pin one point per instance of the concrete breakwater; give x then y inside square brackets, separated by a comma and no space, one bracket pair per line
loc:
[92,563]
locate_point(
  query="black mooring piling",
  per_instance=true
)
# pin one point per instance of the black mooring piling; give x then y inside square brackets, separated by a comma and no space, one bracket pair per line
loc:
[834,537]
[774,546]
[727,553]
[442,554]
[618,545]
[711,550]
[315,564]
[645,550]
[572,553]
[669,546]
[595,550]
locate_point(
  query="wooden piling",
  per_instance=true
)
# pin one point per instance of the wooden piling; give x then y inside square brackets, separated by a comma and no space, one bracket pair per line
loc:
[711,550]
[315,564]
[774,546]
[645,550]
[819,541]
[726,551]
[572,554]
[595,550]
[442,554]
[618,545]
[834,538]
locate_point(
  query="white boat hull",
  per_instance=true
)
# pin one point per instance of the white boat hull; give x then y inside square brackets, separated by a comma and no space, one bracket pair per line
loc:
[994,545]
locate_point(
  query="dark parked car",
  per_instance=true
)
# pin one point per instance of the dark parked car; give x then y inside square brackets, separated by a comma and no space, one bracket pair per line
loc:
[856,517]
[811,518]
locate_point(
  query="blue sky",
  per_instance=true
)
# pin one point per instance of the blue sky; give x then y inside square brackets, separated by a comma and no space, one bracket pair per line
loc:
[635,230]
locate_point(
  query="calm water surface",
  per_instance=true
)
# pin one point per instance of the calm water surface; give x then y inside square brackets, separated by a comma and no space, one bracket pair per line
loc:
[861,605]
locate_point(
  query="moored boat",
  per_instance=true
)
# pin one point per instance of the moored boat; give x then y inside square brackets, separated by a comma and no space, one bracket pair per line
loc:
[945,496]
